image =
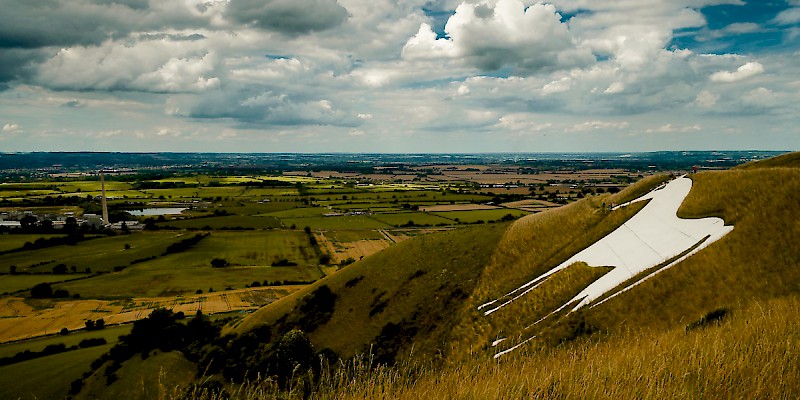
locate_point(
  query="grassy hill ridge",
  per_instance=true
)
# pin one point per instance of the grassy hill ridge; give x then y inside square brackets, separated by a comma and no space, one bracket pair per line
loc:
[407,295]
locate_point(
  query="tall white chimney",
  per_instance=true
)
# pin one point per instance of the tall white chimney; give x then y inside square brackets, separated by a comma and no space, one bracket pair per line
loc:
[105,203]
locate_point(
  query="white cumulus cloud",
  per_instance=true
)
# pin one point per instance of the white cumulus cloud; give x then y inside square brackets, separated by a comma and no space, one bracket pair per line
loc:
[789,16]
[9,127]
[670,128]
[706,99]
[748,70]
[598,125]
[160,65]
[492,35]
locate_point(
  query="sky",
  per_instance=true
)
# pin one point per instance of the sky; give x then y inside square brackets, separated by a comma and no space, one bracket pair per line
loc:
[396,76]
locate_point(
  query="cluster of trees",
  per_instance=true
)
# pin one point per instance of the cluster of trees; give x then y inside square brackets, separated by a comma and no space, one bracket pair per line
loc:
[284,263]
[281,351]
[70,239]
[59,269]
[95,325]
[185,244]
[45,291]
[277,283]
[161,330]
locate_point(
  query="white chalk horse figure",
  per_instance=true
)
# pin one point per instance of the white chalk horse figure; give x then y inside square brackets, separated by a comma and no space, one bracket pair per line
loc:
[652,237]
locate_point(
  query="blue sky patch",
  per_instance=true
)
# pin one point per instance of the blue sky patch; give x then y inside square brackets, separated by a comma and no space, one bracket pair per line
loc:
[746,29]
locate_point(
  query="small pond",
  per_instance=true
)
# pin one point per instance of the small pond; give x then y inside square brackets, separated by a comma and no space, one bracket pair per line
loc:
[157,211]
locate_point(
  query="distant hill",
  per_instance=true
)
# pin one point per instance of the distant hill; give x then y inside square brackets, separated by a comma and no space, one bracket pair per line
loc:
[789,160]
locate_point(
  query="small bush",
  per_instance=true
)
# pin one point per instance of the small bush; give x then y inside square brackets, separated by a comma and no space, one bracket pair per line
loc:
[284,263]
[42,291]
[712,317]
[354,281]
[219,263]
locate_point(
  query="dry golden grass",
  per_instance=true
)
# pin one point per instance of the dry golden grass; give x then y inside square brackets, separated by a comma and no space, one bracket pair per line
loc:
[19,320]
[749,355]
[515,321]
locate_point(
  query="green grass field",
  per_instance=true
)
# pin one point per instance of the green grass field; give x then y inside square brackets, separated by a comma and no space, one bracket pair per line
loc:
[301,212]
[18,194]
[250,256]
[47,377]
[340,222]
[417,218]
[16,241]
[252,248]
[147,282]
[470,217]
[111,334]
[224,222]
[180,273]
[160,376]
[92,186]
[353,236]
[14,283]
[101,254]
[373,206]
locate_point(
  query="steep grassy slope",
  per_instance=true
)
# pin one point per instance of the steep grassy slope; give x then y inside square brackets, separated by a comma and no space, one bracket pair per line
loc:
[408,294]
[161,375]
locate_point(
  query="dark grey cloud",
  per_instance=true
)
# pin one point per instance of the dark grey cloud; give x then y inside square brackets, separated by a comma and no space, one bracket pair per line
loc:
[288,16]
[74,104]
[18,63]
[175,38]
[43,23]
[32,31]
[35,24]
[132,4]
[262,106]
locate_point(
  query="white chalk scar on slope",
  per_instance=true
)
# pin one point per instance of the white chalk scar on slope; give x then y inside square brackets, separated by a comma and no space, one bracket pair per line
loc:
[652,237]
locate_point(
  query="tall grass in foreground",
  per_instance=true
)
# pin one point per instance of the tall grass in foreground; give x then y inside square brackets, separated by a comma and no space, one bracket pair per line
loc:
[751,354]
